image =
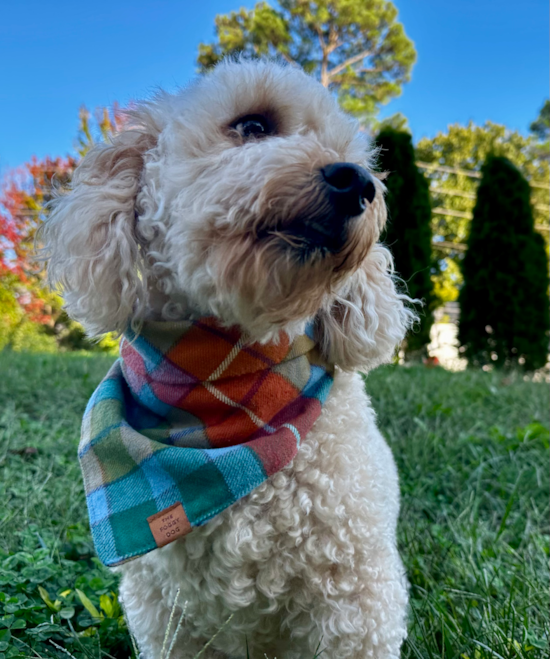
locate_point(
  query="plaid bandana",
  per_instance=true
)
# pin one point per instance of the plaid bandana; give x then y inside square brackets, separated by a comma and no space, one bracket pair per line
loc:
[190,419]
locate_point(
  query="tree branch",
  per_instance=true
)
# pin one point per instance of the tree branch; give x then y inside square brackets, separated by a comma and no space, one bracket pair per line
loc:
[321,39]
[288,58]
[352,60]
[333,42]
[324,60]
[375,70]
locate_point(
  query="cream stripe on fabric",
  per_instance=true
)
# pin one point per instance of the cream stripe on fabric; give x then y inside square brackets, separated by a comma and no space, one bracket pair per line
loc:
[230,357]
[220,396]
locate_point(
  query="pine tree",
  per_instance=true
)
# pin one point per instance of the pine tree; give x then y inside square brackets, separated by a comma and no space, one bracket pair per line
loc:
[408,232]
[504,308]
[356,48]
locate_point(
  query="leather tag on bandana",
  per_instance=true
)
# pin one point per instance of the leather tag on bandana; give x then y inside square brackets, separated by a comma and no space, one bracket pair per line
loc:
[168,525]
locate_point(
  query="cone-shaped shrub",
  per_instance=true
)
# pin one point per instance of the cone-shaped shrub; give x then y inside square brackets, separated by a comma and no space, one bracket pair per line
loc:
[408,232]
[504,309]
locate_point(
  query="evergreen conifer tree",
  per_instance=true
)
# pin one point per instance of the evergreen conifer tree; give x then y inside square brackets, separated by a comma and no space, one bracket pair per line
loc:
[504,308]
[408,232]
[356,48]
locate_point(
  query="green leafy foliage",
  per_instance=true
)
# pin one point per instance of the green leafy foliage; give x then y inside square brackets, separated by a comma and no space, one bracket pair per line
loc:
[408,232]
[10,311]
[43,602]
[472,452]
[357,48]
[503,303]
[541,129]
[466,148]
[32,337]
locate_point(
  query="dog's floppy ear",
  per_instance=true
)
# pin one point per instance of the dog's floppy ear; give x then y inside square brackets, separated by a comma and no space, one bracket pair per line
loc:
[89,239]
[362,326]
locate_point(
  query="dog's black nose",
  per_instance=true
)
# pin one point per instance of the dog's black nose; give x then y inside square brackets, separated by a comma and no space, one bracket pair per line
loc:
[350,187]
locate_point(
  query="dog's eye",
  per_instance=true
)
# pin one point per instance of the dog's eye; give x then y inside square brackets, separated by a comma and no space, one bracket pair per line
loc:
[253,125]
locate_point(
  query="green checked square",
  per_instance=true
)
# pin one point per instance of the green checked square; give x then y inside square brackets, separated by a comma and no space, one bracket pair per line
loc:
[113,457]
[131,530]
[204,491]
[105,413]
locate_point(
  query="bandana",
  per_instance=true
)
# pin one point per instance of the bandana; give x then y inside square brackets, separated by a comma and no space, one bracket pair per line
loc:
[189,420]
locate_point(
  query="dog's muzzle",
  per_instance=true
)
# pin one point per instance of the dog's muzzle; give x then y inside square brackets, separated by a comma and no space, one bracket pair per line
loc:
[345,191]
[349,188]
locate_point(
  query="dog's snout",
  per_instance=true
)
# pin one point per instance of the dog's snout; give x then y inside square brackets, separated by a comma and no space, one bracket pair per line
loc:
[343,191]
[350,187]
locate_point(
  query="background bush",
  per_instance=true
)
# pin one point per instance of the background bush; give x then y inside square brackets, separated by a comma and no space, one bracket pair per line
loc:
[504,310]
[408,232]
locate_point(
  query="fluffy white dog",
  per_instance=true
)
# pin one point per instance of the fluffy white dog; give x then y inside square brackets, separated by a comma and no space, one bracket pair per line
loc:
[248,196]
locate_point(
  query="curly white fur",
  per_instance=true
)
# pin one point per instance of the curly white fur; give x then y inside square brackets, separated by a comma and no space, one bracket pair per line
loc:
[310,556]
[179,217]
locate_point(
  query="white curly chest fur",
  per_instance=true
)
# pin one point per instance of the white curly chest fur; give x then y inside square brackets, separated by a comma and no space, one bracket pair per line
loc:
[309,557]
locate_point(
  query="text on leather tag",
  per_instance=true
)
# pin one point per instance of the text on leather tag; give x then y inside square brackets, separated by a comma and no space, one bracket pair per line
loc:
[169,524]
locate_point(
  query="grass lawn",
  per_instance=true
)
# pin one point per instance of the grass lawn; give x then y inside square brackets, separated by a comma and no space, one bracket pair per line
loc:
[472,451]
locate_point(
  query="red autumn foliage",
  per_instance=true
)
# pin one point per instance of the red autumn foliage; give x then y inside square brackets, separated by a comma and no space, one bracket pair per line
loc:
[24,197]
[23,204]
[22,209]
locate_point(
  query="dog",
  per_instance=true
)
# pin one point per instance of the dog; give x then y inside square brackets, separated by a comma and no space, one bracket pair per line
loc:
[250,197]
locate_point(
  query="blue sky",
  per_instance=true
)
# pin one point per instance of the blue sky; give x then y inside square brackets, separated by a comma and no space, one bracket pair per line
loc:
[477,59]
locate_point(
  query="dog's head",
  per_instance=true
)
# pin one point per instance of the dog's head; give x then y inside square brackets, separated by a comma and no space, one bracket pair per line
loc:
[247,196]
